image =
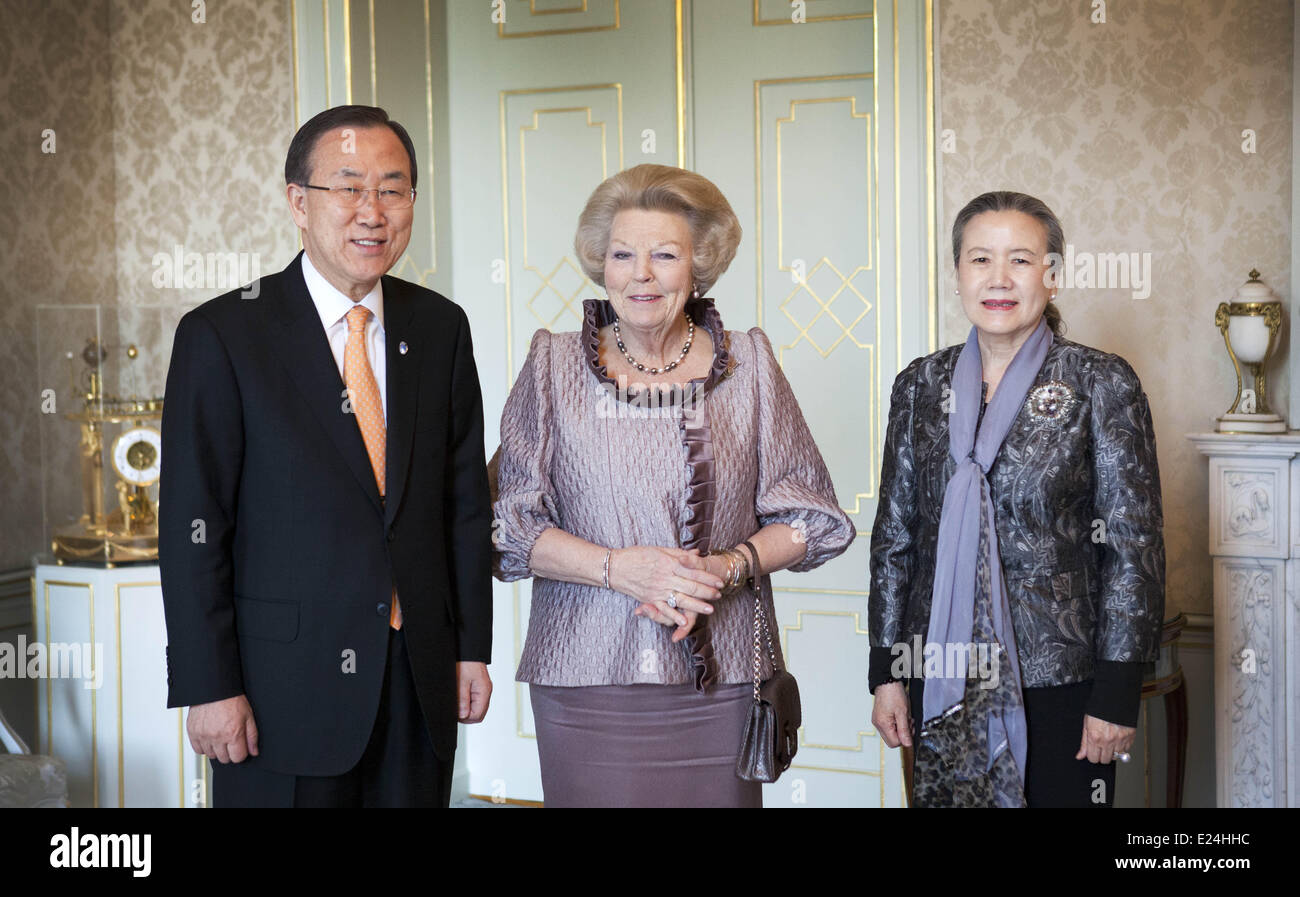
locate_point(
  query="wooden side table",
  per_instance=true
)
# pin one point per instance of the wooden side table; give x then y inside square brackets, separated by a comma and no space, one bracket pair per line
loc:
[1167,681]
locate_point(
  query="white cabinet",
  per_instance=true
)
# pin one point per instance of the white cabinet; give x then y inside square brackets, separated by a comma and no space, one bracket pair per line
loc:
[101,689]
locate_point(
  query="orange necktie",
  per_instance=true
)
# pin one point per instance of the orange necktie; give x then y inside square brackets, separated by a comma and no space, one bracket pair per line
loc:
[363,392]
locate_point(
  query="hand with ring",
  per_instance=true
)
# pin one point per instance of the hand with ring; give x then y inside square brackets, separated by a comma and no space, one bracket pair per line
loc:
[672,586]
[1104,742]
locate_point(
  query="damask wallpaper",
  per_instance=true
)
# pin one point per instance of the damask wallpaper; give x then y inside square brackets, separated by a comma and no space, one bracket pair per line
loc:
[170,129]
[57,142]
[202,117]
[1131,129]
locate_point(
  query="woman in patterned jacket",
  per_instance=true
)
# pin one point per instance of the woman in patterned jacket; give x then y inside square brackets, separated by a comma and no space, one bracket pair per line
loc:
[1017,557]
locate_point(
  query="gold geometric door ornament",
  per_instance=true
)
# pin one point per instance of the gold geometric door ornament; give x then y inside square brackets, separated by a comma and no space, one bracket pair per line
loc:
[550,286]
[567,296]
[566,301]
[825,309]
[812,187]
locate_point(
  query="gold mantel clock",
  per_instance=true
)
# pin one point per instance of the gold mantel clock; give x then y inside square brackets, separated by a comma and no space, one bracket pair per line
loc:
[128,532]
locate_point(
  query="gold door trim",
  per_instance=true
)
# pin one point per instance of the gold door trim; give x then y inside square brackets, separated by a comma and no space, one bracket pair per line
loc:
[759,84]
[545,32]
[931,241]
[898,210]
[848,592]
[374,77]
[878,774]
[293,39]
[325,28]
[180,753]
[846,330]
[534,11]
[117,619]
[873,174]
[433,181]
[797,626]
[679,74]
[502,97]
[347,51]
[407,267]
[583,281]
[780,197]
[518,651]
[841,17]
[49,683]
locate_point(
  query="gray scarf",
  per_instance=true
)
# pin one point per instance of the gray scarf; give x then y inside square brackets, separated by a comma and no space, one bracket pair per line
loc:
[998,724]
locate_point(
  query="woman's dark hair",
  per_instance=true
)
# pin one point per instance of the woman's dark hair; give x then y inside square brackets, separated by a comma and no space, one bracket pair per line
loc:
[297,165]
[1010,201]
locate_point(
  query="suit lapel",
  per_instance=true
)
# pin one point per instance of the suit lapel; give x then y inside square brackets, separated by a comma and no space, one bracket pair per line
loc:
[304,351]
[403,386]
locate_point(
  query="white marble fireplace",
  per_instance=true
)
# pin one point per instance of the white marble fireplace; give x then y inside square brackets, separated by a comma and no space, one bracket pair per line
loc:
[1254,490]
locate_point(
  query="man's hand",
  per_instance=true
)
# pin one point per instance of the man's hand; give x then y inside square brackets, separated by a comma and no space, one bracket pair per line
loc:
[223,730]
[475,690]
[891,716]
[1101,740]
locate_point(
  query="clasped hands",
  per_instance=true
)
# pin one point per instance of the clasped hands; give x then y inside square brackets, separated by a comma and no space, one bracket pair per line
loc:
[651,575]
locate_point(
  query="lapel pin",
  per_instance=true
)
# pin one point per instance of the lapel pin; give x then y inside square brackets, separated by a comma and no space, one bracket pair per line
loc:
[401,347]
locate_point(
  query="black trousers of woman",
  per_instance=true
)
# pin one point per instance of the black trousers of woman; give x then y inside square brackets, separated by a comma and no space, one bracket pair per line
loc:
[1054,718]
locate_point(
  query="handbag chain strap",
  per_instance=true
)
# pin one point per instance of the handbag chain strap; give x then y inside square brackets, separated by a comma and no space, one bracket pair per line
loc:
[760,622]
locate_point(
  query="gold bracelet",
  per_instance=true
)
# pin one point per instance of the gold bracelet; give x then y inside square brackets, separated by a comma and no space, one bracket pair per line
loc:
[742,568]
[738,570]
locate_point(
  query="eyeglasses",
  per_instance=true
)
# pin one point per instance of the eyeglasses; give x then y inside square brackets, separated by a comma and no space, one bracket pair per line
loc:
[389,198]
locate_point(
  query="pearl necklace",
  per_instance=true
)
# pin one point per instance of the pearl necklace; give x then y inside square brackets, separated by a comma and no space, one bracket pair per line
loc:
[690,336]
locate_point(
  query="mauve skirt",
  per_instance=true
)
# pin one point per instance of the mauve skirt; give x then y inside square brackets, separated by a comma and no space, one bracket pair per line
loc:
[642,746]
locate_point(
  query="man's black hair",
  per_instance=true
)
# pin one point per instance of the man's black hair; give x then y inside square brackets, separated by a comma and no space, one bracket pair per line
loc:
[297,165]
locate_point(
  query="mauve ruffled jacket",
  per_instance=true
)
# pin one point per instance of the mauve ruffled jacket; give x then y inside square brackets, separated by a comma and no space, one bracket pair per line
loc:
[576,456]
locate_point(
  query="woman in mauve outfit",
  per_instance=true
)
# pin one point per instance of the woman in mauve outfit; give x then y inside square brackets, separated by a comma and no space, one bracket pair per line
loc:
[629,451]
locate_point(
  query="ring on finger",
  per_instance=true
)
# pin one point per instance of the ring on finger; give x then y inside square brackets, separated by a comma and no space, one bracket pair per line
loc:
[672,599]
[1122,756]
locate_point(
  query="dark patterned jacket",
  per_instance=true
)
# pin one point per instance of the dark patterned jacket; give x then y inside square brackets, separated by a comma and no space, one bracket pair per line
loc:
[1076,499]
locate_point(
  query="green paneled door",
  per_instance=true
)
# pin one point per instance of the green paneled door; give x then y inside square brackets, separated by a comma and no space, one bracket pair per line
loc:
[817,130]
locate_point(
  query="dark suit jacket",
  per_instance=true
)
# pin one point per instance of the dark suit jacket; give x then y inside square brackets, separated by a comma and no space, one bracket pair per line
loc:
[1087,598]
[279,557]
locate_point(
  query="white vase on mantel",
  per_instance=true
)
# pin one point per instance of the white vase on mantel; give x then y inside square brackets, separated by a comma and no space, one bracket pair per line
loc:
[1250,325]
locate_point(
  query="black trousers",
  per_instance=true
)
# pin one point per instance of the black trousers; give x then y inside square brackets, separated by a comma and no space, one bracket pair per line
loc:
[398,768]
[1054,723]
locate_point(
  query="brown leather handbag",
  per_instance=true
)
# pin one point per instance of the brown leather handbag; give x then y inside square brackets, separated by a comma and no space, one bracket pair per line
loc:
[771,735]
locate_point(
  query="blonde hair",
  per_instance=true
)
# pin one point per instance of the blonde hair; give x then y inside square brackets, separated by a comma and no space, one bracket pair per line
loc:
[715,230]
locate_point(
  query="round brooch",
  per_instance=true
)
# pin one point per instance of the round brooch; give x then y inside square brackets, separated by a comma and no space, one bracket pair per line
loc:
[1051,402]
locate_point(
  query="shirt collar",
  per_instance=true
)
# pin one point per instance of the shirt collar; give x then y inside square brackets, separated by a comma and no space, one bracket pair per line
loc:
[332,305]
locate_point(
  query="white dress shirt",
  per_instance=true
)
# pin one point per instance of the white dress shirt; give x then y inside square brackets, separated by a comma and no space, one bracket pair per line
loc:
[333,308]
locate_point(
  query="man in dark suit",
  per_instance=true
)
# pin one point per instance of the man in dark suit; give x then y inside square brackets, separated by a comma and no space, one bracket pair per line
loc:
[325,526]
